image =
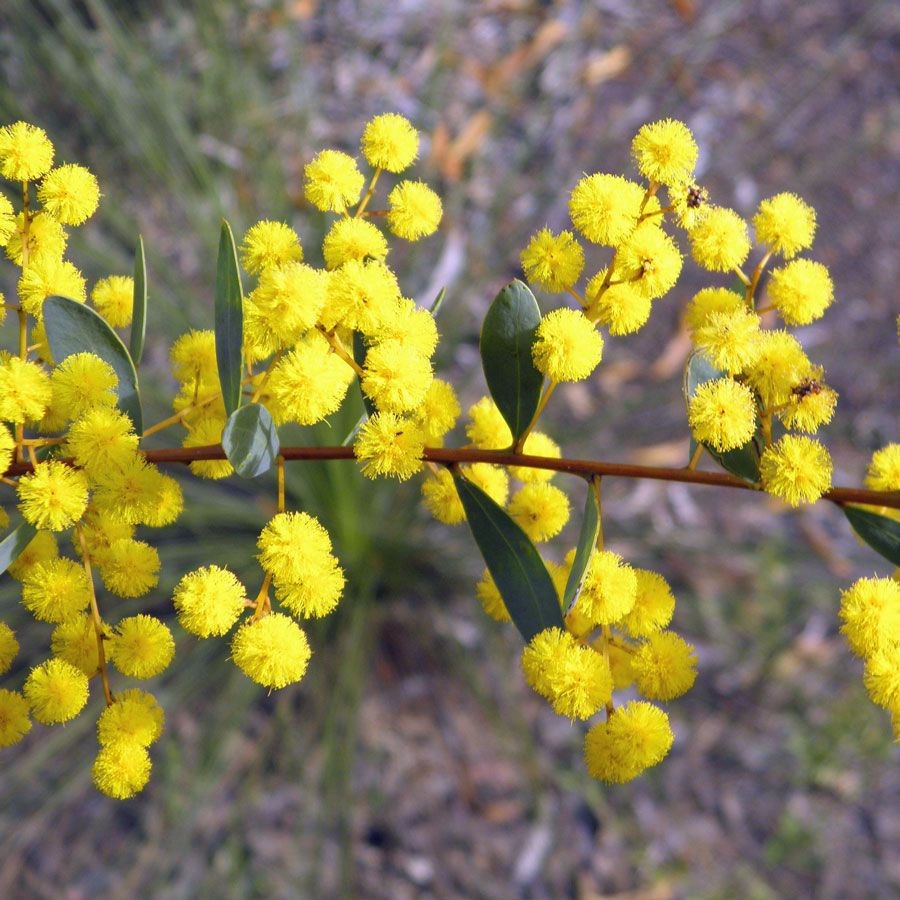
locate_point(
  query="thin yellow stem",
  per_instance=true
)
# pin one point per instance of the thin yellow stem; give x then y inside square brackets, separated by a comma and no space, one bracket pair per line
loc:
[695,459]
[740,274]
[263,603]
[368,196]
[95,616]
[754,279]
[280,469]
[542,404]
[9,481]
[579,297]
[339,349]
[265,378]
[179,416]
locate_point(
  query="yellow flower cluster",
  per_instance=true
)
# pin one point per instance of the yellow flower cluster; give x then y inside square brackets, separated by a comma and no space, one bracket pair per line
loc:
[615,638]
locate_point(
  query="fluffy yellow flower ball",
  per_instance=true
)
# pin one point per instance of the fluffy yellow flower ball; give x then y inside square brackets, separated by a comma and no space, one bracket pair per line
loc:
[390,445]
[268,244]
[797,469]
[605,208]
[25,152]
[121,769]
[14,721]
[722,414]
[70,194]
[141,646]
[390,142]
[637,736]
[272,651]
[414,210]
[566,346]
[665,152]
[56,691]
[113,298]
[209,601]
[54,496]
[553,261]
[333,181]
[785,224]
[719,240]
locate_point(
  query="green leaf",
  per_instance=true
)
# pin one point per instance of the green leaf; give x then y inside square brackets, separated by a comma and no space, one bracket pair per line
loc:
[14,543]
[75,328]
[506,339]
[139,314]
[879,532]
[743,461]
[435,307]
[250,440]
[359,356]
[587,541]
[514,563]
[229,320]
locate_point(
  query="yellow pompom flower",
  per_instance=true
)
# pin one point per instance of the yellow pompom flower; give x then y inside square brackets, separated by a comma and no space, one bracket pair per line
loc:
[193,357]
[566,346]
[25,152]
[134,718]
[487,429]
[797,469]
[870,615]
[779,367]
[636,737]
[7,447]
[141,646]
[537,444]
[719,241]
[441,499]
[410,324]
[129,568]
[438,411]
[708,301]
[202,434]
[811,403]
[121,769]
[75,641]
[56,691]
[7,220]
[81,382]
[45,276]
[882,677]
[317,594]
[333,181]
[390,142]
[605,208]
[209,601]
[574,679]
[292,545]
[272,651]
[70,194]
[390,445]
[268,244]
[353,239]
[540,509]
[56,590]
[42,547]
[290,298]
[113,298]
[785,224]
[489,597]
[396,377]
[9,647]
[25,391]
[654,605]
[553,261]
[664,666]
[414,210]
[14,721]
[609,591]
[362,296]
[883,473]
[169,504]
[649,260]
[54,496]
[309,383]
[665,151]
[100,529]
[730,340]
[722,414]
[102,439]
[622,308]
[46,237]
[801,291]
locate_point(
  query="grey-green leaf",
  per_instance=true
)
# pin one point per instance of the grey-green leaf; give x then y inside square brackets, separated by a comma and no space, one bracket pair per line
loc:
[587,542]
[438,302]
[879,532]
[250,440]
[514,563]
[743,461]
[75,328]
[506,339]
[14,543]
[359,356]
[229,314]
[139,306]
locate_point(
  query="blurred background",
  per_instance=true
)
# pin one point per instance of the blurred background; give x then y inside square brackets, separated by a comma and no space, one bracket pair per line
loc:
[412,762]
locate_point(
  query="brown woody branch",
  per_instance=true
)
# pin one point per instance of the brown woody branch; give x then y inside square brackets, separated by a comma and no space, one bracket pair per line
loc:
[582,467]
